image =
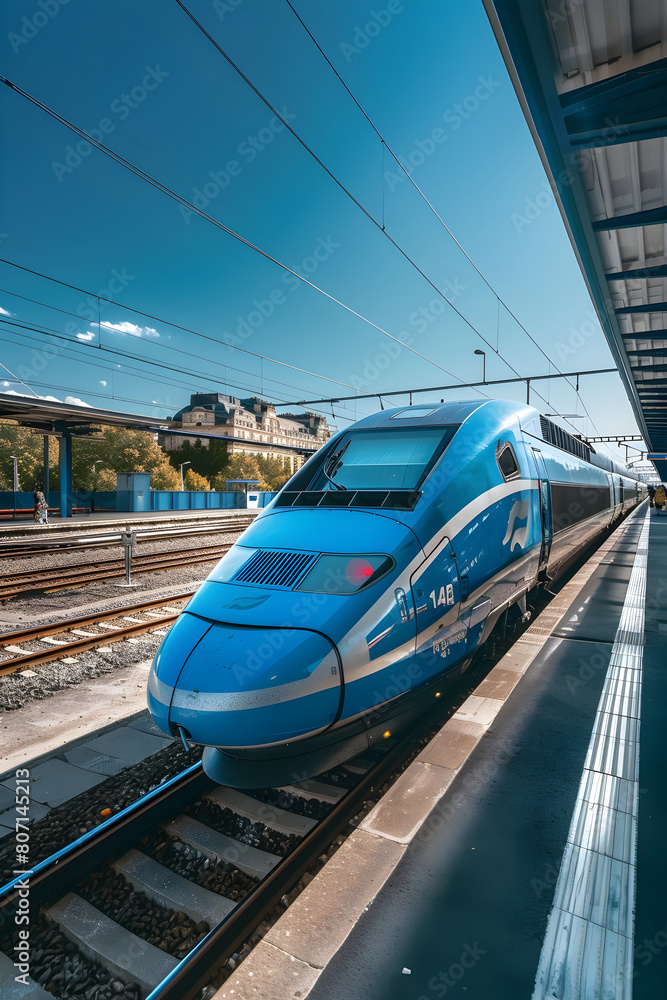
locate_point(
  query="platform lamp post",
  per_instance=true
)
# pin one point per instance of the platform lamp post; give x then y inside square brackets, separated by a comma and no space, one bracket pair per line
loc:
[16,480]
[182,466]
[483,353]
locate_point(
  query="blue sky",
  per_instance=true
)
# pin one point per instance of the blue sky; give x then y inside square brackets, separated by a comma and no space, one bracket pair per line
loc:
[140,76]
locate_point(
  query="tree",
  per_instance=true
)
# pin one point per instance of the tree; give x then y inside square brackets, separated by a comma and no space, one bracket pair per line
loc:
[28,447]
[207,460]
[275,471]
[240,467]
[193,481]
[120,450]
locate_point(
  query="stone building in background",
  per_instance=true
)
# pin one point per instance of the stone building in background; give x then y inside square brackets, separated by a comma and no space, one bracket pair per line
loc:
[253,422]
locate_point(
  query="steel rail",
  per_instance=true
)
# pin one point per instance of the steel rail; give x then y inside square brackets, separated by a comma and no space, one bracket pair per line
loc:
[80,645]
[24,635]
[62,869]
[43,581]
[194,971]
[48,546]
[31,659]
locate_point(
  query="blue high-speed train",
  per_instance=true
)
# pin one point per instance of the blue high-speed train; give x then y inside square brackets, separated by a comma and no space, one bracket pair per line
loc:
[370,580]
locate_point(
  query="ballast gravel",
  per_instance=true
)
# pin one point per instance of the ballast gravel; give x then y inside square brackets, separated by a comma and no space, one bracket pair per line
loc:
[18,689]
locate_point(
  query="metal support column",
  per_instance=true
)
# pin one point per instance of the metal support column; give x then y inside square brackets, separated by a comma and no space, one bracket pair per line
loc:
[45,477]
[65,464]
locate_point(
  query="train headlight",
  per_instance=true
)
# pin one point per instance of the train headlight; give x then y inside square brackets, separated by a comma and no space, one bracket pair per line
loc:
[345,574]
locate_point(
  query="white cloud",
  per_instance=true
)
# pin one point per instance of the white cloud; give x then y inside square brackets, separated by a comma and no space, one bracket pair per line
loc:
[86,336]
[103,383]
[4,312]
[49,399]
[6,383]
[134,331]
[70,400]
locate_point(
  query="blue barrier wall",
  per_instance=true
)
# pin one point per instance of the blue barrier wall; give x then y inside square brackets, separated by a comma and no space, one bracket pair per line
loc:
[159,500]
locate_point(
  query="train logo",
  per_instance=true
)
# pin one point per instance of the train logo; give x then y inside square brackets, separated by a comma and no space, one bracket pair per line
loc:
[519,536]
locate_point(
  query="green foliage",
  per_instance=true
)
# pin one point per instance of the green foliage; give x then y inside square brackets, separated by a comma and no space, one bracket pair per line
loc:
[96,460]
[120,450]
[240,467]
[28,447]
[207,461]
[193,481]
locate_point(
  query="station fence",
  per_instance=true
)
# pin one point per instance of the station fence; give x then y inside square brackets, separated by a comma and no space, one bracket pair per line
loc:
[22,503]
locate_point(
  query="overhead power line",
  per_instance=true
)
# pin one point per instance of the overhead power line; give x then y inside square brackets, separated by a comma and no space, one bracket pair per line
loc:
[529,379]
[385,145]
[380,227]
[208,218]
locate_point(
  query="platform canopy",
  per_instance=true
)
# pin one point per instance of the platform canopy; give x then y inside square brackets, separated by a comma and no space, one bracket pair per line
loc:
[591,77]
[50,416]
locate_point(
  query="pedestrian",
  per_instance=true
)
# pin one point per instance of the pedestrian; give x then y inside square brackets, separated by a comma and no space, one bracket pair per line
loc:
[660,498]
[651,494]
[40,513]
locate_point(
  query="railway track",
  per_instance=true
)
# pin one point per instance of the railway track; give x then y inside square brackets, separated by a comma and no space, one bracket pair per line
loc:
[130,905]
[62,577]
[73,638]
[23,549]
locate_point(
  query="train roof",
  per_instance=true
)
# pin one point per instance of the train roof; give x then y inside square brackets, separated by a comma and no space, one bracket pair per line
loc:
[530,419]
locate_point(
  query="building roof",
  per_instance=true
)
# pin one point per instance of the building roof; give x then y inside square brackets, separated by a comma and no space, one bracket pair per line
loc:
[591,80]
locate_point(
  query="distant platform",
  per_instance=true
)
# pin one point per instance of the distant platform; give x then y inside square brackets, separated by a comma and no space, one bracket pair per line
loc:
[113,519]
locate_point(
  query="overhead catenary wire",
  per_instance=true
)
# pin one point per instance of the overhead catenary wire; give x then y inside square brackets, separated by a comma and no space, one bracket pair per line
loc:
[129,370]
[231,232]
[385,145]
[380,227]
[170,347]
[177,326]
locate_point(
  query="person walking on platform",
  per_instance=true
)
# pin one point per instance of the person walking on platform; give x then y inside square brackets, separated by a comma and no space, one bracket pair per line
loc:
[41,508]
[651,494]
[660,498]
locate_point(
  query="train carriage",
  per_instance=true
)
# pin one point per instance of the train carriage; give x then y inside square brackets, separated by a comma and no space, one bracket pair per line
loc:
[369,581]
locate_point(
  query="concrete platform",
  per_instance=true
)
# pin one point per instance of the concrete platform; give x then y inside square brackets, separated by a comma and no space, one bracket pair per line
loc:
[512,860]
[126,956]
[68,770]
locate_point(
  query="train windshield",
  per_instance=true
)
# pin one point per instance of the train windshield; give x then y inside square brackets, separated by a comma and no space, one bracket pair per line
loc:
[396,459]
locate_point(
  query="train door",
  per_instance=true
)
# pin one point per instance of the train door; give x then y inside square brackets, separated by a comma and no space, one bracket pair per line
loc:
[545,511]
[436,593]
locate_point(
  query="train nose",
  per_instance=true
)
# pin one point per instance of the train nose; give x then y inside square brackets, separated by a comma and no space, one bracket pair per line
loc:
[243,686]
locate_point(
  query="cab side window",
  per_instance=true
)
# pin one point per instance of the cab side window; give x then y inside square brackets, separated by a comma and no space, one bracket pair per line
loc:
[506,459]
